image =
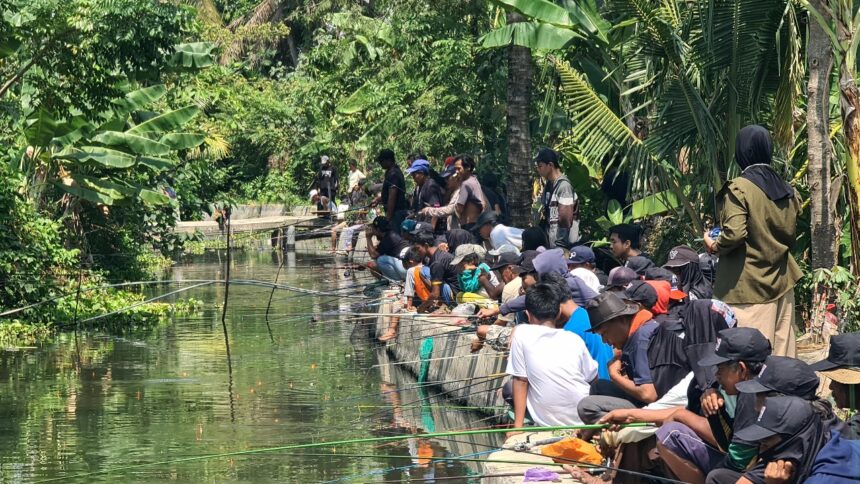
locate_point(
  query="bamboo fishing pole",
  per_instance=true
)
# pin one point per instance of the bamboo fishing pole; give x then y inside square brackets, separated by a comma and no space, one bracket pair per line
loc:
[335,443]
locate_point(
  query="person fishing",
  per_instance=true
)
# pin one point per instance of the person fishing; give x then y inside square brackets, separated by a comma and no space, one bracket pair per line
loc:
[758,214]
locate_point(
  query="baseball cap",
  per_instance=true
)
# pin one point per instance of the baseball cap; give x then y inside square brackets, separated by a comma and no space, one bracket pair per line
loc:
[506,259]
[526,264]
[639,264]
[620,277]
[466,249]
[547,155]
[738,344]
[408,225]
[606,307]
[783,374]
[581,254]
[680,256]
[641,292]
[779,415]
[843,360]
[448,171]
[421,228]
[504,248]
[488,217]
[419,166]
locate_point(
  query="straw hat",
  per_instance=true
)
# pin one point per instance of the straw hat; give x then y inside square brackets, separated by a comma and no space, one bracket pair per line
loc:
[847,376]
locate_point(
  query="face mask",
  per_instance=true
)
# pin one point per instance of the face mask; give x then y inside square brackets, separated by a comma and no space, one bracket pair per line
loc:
[730,402]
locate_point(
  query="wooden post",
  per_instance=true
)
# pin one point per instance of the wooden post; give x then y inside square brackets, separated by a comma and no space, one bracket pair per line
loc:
[291,238]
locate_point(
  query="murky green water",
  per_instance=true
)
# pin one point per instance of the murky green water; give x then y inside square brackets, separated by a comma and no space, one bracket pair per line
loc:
[110,402]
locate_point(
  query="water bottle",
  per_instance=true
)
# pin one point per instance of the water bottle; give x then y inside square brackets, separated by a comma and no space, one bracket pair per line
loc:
[714,233]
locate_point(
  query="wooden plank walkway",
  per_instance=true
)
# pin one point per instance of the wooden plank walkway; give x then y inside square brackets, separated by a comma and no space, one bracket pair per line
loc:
[210,227]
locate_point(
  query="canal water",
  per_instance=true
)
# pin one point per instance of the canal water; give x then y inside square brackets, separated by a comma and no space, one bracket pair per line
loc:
[132,405]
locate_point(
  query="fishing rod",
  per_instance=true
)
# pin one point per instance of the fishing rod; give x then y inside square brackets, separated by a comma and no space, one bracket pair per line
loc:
[441,358]
[312,445]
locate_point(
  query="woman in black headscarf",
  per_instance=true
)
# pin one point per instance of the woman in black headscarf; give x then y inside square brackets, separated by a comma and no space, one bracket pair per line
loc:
[758,214]
[458,237]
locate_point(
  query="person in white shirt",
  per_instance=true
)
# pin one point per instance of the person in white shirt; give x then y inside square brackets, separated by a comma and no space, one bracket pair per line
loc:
[355,176]
[494,234]
[551,368]
[581,265]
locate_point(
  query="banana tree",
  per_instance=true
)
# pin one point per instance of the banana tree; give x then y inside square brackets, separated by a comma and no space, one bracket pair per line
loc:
[116,159]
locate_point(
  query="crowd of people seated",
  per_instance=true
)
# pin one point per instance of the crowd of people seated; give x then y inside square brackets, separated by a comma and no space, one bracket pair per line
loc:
[702,346]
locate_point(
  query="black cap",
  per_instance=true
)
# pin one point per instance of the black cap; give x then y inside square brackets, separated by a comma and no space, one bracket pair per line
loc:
[738,344]
[506,259]
[421,228]
[680,256]
[641,292]
[488,217]
[844,351]
[783,374]
[607,306]
[659,274]
[448,171]
[547,155]
[639,264]
[778,416]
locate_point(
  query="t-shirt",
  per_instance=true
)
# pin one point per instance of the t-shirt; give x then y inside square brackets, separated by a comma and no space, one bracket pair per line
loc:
[509,292]
[327,181]
[355,178]
[470,192]
[558,368]
[441,269]
[601,352]
[502,234]
[588,277]
[496,198]
[558,192]
[392,244]
[427,195]
[394,178]
[634,355]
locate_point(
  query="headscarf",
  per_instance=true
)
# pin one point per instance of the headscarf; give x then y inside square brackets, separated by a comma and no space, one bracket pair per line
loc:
[458,237]
[663,289]
[639,264]
[693,281]
[753,153]
[800,448]
[533,237]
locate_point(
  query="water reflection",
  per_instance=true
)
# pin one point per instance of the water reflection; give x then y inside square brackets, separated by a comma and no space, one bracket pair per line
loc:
[164,395]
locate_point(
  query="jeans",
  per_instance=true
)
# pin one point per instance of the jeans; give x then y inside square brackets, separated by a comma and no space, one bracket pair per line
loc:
[391,267]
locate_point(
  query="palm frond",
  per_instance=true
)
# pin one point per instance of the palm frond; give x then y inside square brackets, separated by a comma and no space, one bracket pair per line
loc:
[790,83]
[266,12]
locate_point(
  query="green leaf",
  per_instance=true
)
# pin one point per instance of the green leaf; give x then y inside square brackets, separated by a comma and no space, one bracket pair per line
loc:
[137,144]
[540,10]
[167,121]
[360,100]
[85,193]
[105,187]
[657,204]
[614,212]
[182,141]
[40,129]
[529,34]
[104,156]
[157,164]
[194,55]
[150,197]
[141,98]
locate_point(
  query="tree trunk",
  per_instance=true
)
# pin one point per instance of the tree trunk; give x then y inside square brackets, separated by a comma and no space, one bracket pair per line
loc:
[820,61]
[519,139]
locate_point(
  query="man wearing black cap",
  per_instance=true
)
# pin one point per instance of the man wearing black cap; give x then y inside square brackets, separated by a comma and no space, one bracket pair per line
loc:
[498,335]
[581,264]
[692,444]
[780,375]
[627,328]
[559,204]
[842,367]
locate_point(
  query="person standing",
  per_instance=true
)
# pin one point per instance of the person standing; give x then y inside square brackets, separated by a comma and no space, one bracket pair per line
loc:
[427,193]
[446,215]
[470,201]
[559,204]
[758,219]
[355,176]
[326,181]
[393,195]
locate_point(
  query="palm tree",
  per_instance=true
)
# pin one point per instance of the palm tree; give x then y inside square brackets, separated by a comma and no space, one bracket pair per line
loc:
[519,138]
